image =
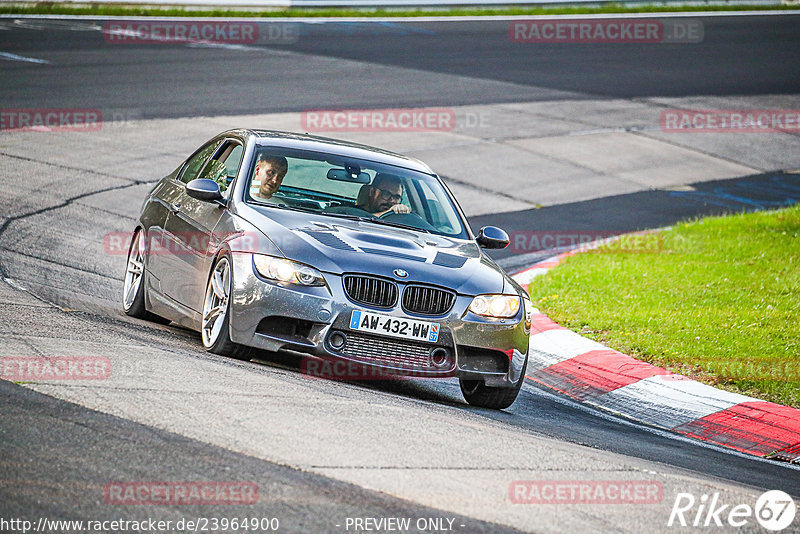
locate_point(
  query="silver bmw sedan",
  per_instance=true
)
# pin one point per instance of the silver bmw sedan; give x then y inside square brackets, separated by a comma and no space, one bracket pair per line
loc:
[358,258]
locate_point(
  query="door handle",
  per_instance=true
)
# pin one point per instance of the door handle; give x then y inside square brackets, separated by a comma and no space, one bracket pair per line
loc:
[175,208]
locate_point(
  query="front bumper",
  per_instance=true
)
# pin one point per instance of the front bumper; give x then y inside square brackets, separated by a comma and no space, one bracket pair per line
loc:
[271,316]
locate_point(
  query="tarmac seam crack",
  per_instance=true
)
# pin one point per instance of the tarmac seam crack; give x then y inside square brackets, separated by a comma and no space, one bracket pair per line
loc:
[60,264]
[3,271]
[85,238]
[573,164]
[544,115]
[32,347]
[539,154]
[541,115]
[490,191]
[103,210]
[470,185]
[643,134]
[123,328]
[69,168]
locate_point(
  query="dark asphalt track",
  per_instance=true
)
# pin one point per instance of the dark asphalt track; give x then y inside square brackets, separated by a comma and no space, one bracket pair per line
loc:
[738,55]
[58,457]
[55,457]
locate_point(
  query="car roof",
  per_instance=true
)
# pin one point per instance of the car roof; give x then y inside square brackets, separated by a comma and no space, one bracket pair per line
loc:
[335,146]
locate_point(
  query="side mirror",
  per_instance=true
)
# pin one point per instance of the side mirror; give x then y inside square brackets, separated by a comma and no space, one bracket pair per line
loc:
[204,189]
[492,237]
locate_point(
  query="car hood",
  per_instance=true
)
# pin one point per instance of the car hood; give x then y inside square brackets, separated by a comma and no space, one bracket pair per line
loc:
[337,245]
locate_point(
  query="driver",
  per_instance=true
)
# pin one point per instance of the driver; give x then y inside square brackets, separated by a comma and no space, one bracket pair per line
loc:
[270,171]
[384,196]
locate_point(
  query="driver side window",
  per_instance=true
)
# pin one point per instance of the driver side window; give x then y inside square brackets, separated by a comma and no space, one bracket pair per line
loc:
[224,167]
[196,162]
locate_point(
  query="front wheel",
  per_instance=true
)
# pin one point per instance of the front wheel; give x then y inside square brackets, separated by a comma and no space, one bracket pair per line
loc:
[215,328]
[479,394]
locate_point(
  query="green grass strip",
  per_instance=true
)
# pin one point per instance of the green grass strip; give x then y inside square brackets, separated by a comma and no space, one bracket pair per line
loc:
[52,8]
[719,301]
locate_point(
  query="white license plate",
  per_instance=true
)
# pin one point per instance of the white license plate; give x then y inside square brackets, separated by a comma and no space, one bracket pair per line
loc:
[394,326]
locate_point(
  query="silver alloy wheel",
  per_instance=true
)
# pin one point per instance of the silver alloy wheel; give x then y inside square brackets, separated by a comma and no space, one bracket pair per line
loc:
[215,307]
[134,271]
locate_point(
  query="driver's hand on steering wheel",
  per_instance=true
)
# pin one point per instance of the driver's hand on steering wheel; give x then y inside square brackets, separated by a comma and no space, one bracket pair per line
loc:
[398,209]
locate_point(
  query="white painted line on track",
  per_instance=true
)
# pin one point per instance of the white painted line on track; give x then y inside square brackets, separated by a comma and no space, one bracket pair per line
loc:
[14,57]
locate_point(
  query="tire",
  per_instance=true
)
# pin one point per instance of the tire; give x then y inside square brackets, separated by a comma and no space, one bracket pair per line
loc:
[133,287]
[215,320]
[479,394]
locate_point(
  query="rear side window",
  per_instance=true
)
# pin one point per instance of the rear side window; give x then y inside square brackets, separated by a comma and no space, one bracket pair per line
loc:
[196,162]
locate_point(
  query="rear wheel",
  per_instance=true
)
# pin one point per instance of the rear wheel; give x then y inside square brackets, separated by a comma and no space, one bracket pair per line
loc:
[477,393]
[215,324]
[133,287]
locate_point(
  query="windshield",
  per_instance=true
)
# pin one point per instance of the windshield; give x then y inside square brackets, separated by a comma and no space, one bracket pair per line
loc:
[352,188]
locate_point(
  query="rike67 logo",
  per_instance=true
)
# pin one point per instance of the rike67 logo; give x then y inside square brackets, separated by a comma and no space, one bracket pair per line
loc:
[774,511]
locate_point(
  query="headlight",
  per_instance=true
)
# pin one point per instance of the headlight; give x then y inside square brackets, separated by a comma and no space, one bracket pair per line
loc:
[500,306]
[287,271]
